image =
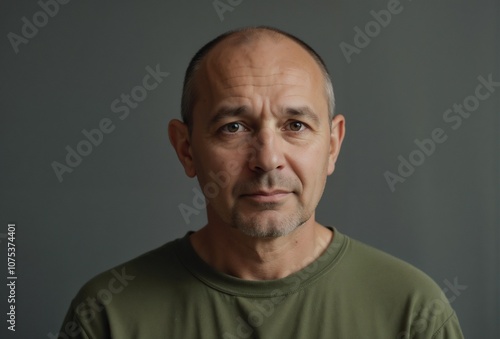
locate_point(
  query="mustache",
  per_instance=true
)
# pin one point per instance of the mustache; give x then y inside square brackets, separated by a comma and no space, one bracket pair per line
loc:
[267,182]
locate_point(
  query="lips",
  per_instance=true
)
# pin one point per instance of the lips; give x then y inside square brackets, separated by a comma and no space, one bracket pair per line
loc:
[267,196]
[268,193]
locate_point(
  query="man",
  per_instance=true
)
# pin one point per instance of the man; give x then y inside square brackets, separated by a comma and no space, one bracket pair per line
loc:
[260,135]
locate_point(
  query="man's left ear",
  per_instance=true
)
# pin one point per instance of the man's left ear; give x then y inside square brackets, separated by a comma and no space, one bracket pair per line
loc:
[337,132]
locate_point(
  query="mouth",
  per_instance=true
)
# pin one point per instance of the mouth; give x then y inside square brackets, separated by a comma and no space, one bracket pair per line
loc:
[273,196]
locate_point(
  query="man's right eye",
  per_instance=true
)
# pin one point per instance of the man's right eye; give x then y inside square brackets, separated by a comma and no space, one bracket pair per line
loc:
[232,127]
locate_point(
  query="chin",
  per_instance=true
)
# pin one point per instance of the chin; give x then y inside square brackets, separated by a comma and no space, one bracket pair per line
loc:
[267,226]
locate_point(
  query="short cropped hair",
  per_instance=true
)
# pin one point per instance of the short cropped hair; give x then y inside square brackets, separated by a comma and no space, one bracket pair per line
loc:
[189,94]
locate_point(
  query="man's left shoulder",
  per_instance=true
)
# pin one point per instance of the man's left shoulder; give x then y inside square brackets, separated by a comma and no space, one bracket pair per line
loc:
[387,273]
[397,290]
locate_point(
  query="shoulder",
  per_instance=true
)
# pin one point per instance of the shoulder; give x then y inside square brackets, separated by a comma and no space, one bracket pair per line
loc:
[125,281]
[379,267]
[114,301]
[397,287]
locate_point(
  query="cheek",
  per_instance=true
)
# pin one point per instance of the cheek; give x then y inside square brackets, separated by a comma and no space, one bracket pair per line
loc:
[311,167]
[217,172]
[227,156]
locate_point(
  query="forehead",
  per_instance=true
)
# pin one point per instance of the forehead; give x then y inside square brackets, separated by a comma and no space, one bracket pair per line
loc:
[262,60]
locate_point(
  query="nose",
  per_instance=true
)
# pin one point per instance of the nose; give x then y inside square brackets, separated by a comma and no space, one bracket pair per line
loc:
[266,153]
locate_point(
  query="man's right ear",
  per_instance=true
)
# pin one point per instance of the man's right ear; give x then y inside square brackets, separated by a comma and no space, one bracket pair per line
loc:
[178,134]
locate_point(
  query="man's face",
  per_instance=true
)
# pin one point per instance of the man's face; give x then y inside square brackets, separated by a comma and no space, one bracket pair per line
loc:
[261,143]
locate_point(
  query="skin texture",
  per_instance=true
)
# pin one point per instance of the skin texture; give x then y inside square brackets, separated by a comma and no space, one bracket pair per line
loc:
[262,146]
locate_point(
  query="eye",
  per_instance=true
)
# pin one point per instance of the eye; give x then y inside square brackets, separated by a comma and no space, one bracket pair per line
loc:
[232,127]
[296,126]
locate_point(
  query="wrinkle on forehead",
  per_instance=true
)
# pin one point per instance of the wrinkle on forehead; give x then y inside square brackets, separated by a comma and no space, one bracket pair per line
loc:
[261,63]
[285,78]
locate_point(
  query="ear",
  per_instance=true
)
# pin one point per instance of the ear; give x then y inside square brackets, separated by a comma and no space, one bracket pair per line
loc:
[179,138]
[337,132]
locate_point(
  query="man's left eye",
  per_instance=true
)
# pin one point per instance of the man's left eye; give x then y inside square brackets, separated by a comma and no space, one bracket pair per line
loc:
[296,126]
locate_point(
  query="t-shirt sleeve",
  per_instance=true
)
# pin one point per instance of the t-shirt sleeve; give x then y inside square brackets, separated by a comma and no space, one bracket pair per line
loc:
[85,320]
[433,322]
[449,330]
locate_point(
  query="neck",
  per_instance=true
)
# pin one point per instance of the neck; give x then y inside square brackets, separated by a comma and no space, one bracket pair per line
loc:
[230,251]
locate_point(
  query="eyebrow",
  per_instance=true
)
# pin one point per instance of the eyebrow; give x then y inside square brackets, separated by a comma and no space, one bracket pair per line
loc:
[303,111]
[227,112]
[231,112]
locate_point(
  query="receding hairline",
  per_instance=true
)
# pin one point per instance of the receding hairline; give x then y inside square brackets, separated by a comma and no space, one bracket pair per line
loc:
[241,37]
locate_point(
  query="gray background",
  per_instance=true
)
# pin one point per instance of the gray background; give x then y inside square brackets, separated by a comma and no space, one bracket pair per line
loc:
[123,199]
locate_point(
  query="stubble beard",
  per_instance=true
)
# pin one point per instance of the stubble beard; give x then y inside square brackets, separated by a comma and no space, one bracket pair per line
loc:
[259,225]
[269,220]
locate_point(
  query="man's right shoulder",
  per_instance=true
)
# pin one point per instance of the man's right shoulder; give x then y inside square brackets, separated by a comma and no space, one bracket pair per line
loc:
[152,278]
[158,267]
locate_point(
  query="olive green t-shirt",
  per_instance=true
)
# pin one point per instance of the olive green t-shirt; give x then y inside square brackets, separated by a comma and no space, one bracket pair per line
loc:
[352,291]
